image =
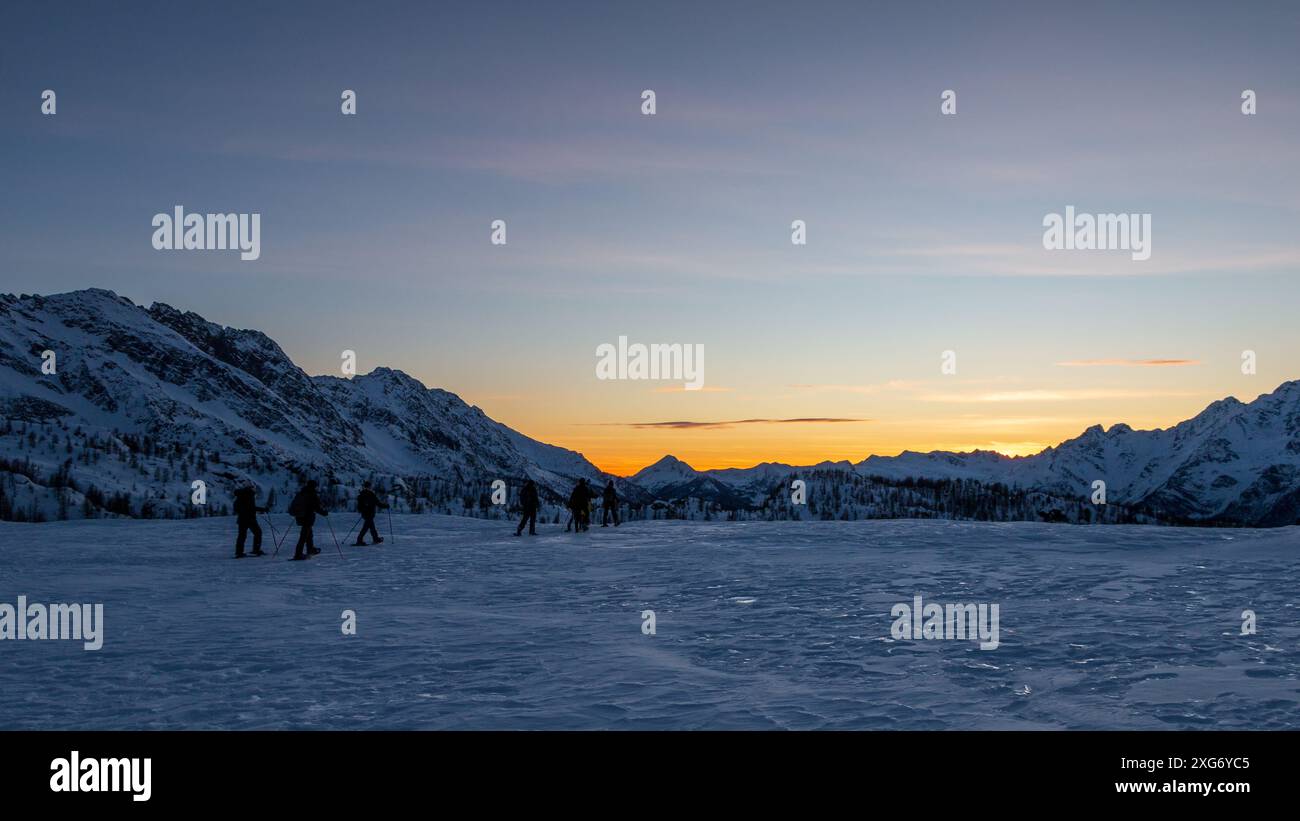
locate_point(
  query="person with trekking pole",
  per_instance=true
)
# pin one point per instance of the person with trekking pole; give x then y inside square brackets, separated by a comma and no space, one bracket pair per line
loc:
[610,505]
[304,507]
[529,502]
[367,505]
[580,504]
[246,511]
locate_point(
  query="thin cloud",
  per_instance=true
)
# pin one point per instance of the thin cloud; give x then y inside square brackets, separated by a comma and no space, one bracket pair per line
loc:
[684,425]
[684,389]
[1128,363]
[971,250]
[892,385]
[1069,395]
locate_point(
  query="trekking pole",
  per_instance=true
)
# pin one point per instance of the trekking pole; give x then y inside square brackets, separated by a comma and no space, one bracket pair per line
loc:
[280,544]
[275,538]
[390,522]
[354,527]
[335,538]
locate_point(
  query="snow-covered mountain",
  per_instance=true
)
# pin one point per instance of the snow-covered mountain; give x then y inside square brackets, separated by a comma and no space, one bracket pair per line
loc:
[1234,462]
[106,406]
[141,402]
[674,479]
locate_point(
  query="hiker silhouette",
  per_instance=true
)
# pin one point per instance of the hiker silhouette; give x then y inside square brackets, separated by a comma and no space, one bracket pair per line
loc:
[367,505]
[610,505]
[528,500]
[246,511]
[580,504]
[304,507]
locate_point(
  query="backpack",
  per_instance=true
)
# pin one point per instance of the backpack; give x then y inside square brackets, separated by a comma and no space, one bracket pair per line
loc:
[367,503]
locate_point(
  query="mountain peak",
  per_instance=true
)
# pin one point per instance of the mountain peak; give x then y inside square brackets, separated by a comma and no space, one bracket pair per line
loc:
[101,293]
[667,470]
[395,375]
[670,461]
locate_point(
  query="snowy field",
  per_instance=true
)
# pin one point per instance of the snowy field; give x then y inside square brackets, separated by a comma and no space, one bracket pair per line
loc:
[758,625]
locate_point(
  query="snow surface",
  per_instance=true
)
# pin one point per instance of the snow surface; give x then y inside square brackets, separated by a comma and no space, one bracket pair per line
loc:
[759,625]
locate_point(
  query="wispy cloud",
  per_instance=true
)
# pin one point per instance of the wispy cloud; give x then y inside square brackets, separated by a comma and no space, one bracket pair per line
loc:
[1128,363]
[892,385]
[684,425]
[974,422]
[684,389]
[973,249]
[1067,395]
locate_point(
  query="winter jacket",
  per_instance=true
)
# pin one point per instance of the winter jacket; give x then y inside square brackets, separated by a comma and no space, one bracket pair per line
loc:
[305,506]
[579,498]
[246,504]
[368,502]
[528,497]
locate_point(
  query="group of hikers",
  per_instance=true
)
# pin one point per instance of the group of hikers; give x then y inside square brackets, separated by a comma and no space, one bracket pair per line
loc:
[304,508]
[580,507]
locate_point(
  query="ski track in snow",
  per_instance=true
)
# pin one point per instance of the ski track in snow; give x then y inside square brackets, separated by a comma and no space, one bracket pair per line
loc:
[759,625]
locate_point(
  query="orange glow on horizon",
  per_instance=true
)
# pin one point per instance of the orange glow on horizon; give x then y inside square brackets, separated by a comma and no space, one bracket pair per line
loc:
[738,430]
[623,452]
[712,459]
[720,455]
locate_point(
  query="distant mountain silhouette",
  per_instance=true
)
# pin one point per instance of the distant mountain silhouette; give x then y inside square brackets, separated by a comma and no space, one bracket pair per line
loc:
[1233,463]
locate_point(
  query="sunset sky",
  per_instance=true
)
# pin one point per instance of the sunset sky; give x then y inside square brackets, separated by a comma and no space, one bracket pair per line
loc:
[924,231]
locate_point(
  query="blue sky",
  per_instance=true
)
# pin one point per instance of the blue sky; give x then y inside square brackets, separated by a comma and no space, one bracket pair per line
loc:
[924,231]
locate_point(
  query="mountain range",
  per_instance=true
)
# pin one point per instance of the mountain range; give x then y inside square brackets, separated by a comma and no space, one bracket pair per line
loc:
[1233,463]
[110,408]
